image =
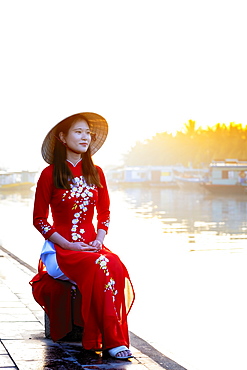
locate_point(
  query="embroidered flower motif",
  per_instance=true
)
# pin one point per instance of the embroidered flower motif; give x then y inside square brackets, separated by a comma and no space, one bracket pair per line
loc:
[44,227]
[106,223]
[111,286]
[102,262]
[75,236]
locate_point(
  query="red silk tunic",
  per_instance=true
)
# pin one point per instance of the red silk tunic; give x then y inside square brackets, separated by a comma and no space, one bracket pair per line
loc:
[102,279]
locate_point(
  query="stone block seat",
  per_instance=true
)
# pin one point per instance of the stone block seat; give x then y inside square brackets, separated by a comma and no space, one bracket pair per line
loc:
[61,301]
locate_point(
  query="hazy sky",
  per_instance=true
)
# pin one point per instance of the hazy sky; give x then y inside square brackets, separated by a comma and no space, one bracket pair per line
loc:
[146,66]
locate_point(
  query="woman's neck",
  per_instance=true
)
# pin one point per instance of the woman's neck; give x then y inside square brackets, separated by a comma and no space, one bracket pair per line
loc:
[74,161]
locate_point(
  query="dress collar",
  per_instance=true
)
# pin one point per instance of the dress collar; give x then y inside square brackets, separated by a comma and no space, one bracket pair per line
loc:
[74,165]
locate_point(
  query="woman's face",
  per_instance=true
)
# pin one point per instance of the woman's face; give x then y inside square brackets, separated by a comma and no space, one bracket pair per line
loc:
[78,137]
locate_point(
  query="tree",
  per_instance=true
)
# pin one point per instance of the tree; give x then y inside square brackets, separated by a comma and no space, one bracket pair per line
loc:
[191,146]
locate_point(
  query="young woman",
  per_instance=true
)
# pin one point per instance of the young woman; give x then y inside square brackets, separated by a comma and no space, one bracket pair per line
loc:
[73,187]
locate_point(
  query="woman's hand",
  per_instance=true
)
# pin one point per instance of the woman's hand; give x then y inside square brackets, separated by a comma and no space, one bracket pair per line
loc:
[99,240]
[82,247]
[96,244]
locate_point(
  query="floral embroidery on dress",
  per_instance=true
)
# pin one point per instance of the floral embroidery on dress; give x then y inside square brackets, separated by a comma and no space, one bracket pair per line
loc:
[110,286]
[44,227]
[107,222]
[102,262]
[82,192]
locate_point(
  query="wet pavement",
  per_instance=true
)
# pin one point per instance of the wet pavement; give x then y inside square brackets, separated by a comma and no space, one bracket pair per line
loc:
[23,344]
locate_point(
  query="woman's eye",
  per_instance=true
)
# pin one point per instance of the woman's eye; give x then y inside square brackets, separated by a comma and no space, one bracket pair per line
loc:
[80,132]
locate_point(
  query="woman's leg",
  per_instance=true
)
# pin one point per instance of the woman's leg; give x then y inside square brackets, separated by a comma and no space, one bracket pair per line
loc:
[108,311]
[102,280]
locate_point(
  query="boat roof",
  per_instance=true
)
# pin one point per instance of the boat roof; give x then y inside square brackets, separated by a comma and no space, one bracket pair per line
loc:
[229,163]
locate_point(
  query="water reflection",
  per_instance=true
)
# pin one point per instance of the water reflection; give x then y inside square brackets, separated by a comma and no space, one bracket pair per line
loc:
[190,212]
[16,195]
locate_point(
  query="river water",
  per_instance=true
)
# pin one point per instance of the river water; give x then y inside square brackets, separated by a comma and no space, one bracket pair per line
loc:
[187,255]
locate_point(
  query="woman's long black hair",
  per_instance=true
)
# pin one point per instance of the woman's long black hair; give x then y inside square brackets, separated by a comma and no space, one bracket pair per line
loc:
[62,174]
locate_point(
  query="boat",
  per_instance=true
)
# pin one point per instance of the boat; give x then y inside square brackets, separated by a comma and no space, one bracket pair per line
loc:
[17,180]
[191,179]
[227,177]
[142,176]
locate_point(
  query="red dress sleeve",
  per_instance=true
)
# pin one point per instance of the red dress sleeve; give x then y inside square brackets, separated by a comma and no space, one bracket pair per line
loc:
[42,200]
[103,204]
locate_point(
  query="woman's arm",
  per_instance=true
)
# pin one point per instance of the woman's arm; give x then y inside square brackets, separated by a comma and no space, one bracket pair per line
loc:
[103,212]
[42,200]
[99,240]
[103,204]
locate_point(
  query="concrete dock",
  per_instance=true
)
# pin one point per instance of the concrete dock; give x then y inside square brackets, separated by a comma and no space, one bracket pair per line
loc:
[23,344]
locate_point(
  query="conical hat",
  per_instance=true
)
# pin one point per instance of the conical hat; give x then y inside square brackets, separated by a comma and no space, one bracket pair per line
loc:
[98,127]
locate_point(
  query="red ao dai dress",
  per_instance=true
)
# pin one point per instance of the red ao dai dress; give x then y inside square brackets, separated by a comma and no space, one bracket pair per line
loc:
[102,279]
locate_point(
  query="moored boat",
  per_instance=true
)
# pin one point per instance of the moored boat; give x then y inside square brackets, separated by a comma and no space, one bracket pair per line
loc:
[227,177]
[142,176]
[191,179]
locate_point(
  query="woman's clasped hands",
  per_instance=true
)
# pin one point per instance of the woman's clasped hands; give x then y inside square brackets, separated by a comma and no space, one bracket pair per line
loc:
[94,246]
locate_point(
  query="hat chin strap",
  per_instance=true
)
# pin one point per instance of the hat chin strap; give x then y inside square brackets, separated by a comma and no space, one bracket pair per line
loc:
[61,141]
